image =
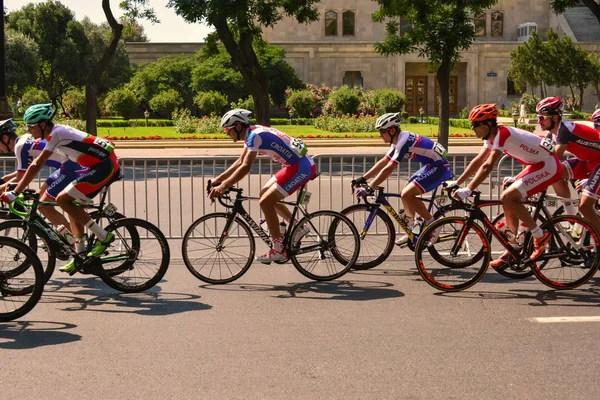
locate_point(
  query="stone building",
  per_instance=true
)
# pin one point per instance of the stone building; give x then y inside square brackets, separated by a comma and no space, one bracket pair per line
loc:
[338,49]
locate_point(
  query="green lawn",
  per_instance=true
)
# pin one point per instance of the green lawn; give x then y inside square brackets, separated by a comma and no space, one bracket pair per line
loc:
[293,130]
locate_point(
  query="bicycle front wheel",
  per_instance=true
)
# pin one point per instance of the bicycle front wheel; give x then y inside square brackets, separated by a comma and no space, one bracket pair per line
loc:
[217,249]
[376,239]
[21,279]
[138,257]
[571,257]
[328,249]
[458,259]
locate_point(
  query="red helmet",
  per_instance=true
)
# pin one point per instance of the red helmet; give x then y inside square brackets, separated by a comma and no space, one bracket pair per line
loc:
[550,105]
[483,112]
[595,116]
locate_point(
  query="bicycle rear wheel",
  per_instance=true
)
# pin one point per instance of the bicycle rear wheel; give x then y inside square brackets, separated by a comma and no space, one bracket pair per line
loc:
[21,279]
[134,262]
[328,250]
[450,266]
[218,250]
[376,241]
[571,257]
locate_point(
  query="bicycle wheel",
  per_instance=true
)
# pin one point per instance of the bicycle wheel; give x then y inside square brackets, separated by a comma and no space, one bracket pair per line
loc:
[21,279]
[102,220]
[571,258]
[134,263]
[37,240]
[217,249]
[376,241]
[447,266]
[328,250]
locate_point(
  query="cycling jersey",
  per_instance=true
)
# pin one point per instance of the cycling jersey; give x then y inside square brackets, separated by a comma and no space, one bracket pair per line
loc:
[582,141]
[415,147]
[521,145]
[78,146]
[282,148]
[28,148]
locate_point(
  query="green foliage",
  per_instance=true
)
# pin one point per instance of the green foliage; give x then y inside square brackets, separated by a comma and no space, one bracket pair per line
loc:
[389,100]
[210,124]
[404,115]
[34,96]
[464,113]
[121,102]
[74,102]
[210,102]
[346,123]
[531,101]
[302,102]
[183,121]
[21,62]
[344,101]
[75,123]
[166,101]
[119,123]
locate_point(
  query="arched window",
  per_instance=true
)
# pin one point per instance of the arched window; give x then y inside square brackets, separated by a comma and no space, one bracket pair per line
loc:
[497,23]
[353,79]
[348,23]
[479,22]
[330,23]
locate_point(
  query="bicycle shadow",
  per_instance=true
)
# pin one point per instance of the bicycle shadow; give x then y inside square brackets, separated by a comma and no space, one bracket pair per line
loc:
[337,290]
[22,335]
[387,271]
[93,295]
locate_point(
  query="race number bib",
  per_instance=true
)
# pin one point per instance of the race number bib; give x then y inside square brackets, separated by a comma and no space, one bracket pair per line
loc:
[440,150]
[547,144]
[105,144]
[298,147]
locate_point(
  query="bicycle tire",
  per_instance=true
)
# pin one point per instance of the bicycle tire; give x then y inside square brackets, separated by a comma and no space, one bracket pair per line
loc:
[12,227]
[337,230]
[359,212]
[9,291]
[99,217]
[452,276]
[576,264]
[212,253]
[132,276]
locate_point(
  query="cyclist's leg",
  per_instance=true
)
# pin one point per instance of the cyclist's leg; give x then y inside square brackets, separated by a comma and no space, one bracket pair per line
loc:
[55,184]
[572,169]
[289,180]
[281,209]
[589,196]
[424,180]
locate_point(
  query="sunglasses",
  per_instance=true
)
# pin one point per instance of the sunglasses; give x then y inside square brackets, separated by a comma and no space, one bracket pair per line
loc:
[475,124]
[382,131]
[596,125]
[30,126]
[543,117]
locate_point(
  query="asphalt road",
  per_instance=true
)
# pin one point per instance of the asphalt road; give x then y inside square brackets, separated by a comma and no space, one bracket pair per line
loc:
[377,334]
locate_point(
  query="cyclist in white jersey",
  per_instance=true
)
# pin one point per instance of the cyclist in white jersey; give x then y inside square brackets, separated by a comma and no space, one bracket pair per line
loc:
[291,153]
[543,168]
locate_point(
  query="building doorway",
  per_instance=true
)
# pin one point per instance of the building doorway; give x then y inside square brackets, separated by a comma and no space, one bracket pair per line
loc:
[416,94]
[452,94]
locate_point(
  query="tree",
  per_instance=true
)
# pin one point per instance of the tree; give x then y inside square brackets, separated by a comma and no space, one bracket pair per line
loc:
[440,31]
[595,73]
[21,63]
[238,24]
[559,6]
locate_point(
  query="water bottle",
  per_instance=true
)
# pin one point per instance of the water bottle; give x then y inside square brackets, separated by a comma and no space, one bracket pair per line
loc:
[522,233]
[416,230]
[503,228]
[282,228]
[66,234]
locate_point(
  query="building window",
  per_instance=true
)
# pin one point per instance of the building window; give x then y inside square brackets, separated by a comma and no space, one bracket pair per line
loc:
[511,90]
[497,23]
[330,23]
[348,23]
[405,26]
[479,22]
[353,79]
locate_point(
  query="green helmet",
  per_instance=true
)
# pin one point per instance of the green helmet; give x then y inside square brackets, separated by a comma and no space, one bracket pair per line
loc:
[38,113]
[8,128]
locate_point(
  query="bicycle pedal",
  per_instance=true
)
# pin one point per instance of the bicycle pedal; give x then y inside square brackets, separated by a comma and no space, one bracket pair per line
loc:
[402,245]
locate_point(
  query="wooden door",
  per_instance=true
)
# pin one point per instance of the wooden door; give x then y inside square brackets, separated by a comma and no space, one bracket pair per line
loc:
[416,94]
[452,94]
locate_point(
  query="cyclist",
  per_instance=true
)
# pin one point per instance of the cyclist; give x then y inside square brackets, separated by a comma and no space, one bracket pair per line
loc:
[291,153]
[435,170]
[584,143]
[88,151]
[595,118]
[26,148]
[543,168]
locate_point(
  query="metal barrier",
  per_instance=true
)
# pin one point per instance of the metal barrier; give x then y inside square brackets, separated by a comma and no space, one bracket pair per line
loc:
[170,192]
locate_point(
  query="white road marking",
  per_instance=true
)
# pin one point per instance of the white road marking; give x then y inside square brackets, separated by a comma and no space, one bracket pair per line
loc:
[550,320]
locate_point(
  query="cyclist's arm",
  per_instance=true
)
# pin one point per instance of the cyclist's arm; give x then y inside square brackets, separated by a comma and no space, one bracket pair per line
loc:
[560,149]
[242,171]
[236,164]
[486,169]
[383,174]
[474,165]
[33,169]
[375,169]
[8,178]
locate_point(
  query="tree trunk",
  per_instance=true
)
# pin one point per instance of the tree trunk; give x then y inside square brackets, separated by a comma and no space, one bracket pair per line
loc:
[443,78]
[243,55]
[581,90]
[91,85]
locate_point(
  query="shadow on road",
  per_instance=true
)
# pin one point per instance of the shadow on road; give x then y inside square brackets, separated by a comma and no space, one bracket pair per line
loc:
[20,335]
[337,290]
[94,295]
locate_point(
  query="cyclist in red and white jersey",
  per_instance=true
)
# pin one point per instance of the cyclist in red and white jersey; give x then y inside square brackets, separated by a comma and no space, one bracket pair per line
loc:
[595,118]
[584,143]
[88,151]
[543,168]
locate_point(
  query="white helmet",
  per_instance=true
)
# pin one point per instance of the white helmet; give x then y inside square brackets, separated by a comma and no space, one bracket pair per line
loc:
[235,116]
[388,120]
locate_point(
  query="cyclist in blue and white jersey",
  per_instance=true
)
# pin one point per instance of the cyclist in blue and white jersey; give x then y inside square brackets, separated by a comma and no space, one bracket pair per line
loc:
[435,170]
[26,148]
[291,153]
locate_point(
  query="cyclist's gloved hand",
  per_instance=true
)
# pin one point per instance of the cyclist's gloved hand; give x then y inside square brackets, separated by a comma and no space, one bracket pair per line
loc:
[359,181]
[580,184]
[451,185]
[209,185]
[507,181]
[462,194]
[9,197]
[363,191]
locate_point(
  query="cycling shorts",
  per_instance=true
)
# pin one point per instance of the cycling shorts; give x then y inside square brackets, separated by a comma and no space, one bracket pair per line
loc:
[89,184]
[592,189]
[579,169]
[60,179]
[431,175]
[291,178]
[537,177]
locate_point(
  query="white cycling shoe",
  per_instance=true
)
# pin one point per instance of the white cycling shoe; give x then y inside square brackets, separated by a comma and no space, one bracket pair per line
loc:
[272,256]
